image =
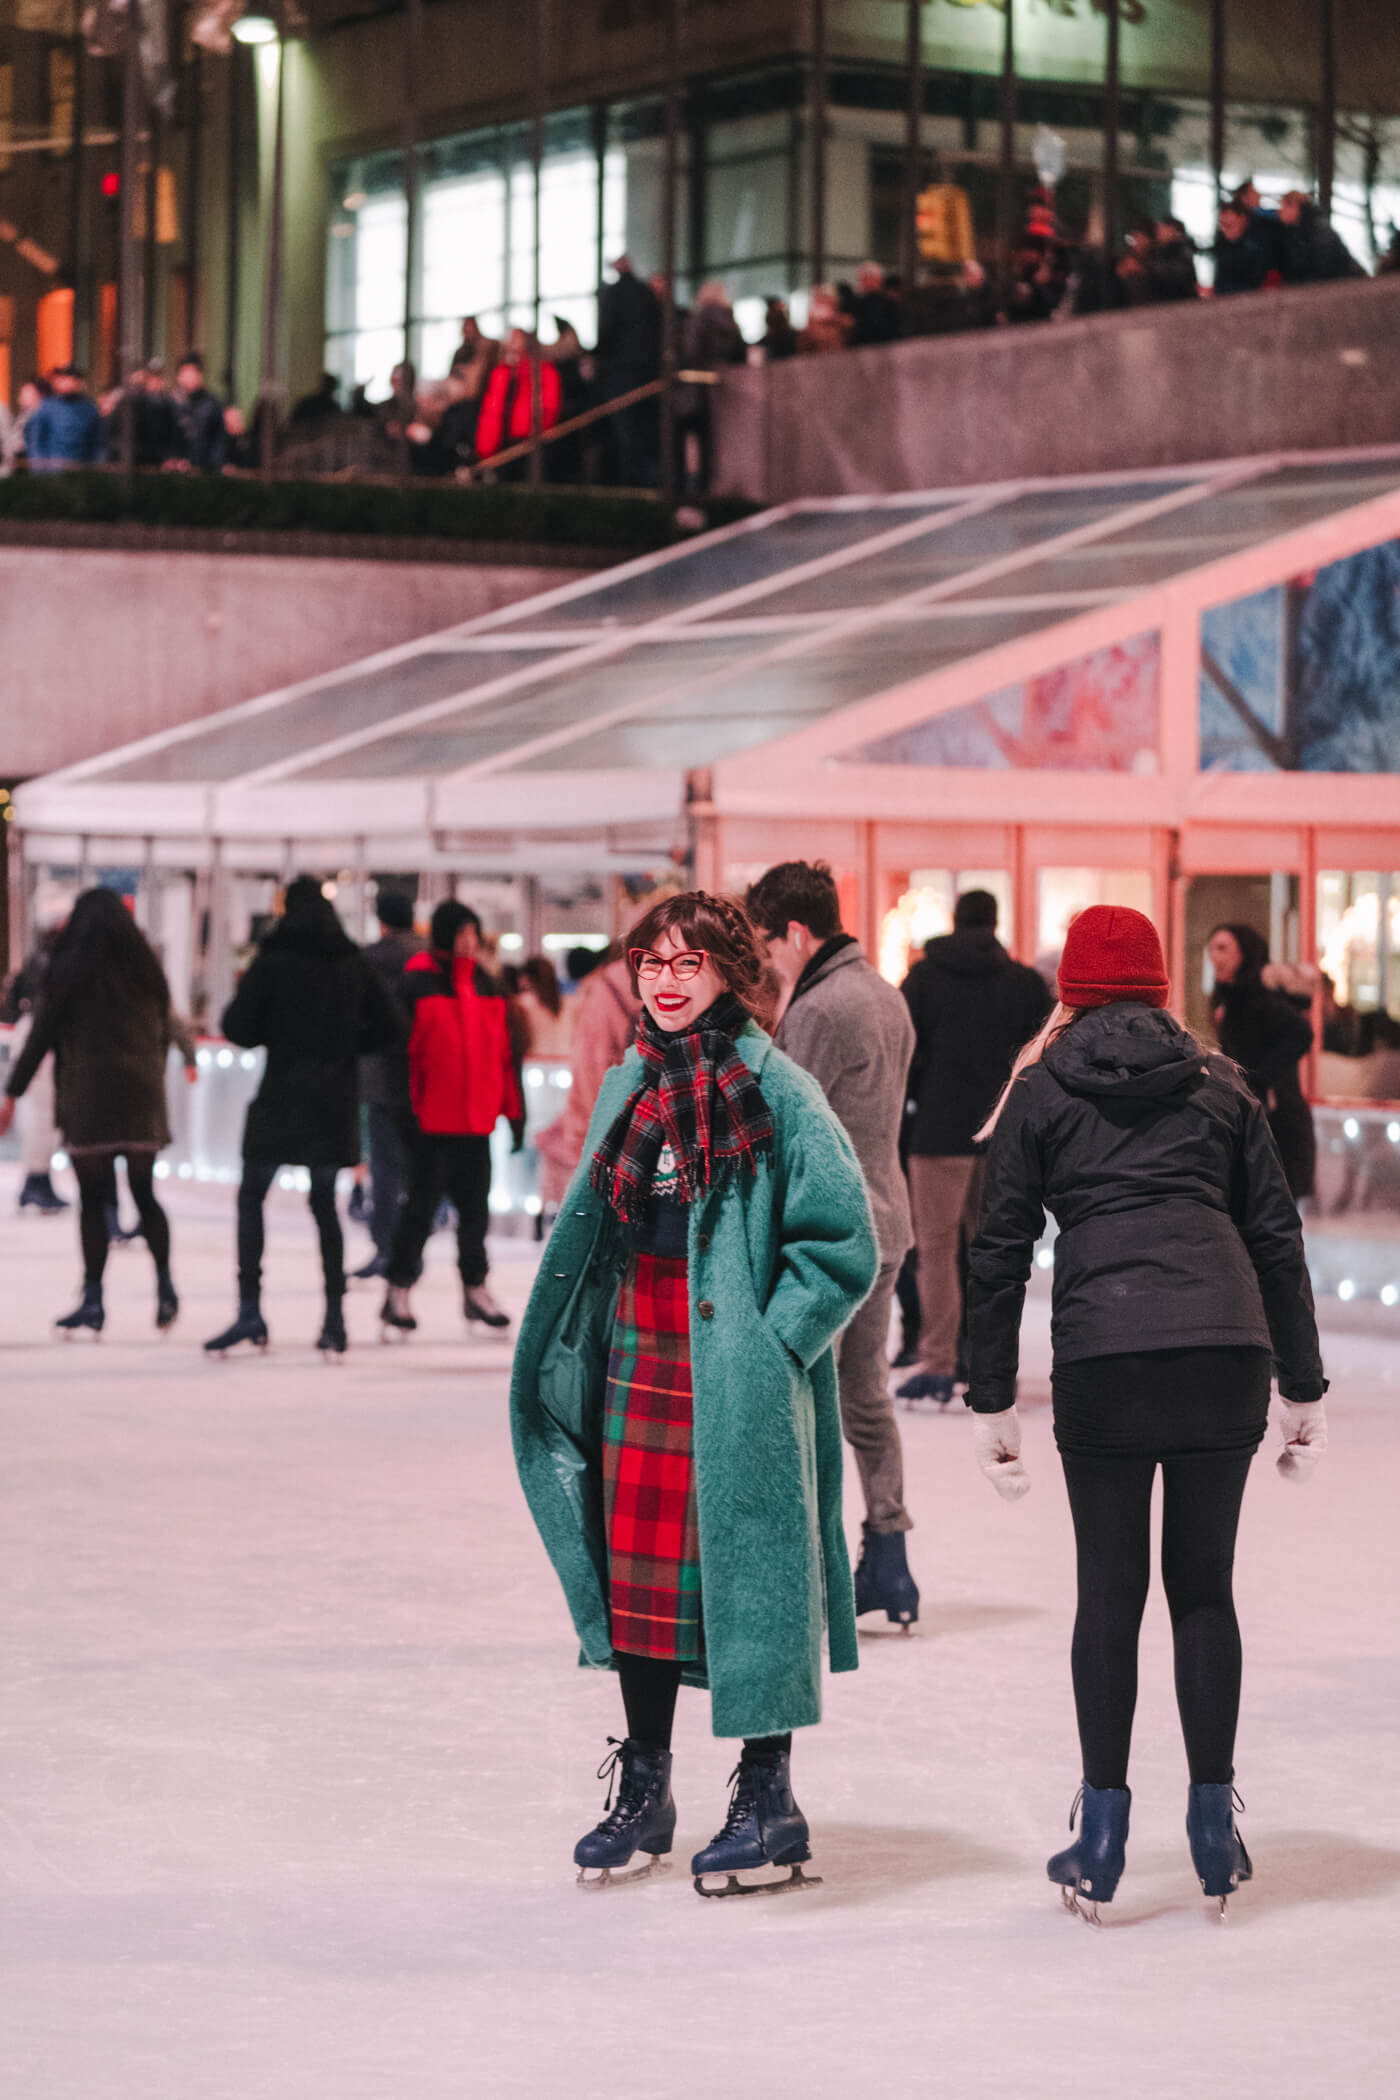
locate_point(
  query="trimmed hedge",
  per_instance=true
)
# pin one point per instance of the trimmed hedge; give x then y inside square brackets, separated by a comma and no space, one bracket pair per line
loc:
[419,510]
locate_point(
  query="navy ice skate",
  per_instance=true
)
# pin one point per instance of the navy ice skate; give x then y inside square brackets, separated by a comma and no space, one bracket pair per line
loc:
[1092,1867]
[1217,1849]
[643,1818]
[924,1386]
[883,1581]
[40,1194]
[250,1326]
[764,1828]
[87,1318]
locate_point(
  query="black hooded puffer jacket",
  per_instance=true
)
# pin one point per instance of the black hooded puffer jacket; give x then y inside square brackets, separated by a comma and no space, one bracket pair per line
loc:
[1176,1226]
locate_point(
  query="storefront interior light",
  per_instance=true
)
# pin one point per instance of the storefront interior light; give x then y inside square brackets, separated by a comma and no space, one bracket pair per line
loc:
[255,29]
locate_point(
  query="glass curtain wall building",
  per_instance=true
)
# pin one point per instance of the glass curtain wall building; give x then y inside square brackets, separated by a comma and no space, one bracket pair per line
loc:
[743,196]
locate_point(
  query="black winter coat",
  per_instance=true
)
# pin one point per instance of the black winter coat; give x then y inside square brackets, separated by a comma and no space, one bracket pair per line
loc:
[973,1008]
[1268,1036]
[314,1002]
[109,1062]
[1176,1226]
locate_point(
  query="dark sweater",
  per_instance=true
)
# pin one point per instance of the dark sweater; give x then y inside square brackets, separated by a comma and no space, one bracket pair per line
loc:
[1176,1226]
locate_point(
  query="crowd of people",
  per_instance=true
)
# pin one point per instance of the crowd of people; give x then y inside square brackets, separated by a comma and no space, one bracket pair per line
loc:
[497,393]
[753,1108]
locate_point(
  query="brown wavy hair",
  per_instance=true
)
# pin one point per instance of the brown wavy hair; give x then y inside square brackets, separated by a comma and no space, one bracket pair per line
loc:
[720,926]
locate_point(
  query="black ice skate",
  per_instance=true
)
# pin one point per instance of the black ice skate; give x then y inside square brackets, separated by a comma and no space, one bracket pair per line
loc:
[764,1828]
[333,1340]
[1089,1871]
[1217,1849]
[479,1305]
[925,1386]
[250,1326]
[87,1318]
[643,1819]
[167,1301]
[394,1315]
[883,1581]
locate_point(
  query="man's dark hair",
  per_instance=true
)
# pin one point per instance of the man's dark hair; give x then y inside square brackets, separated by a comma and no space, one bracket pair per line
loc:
[448,920]
[976,908]
[580,962]
[192,357]
[394,909]
[801,890]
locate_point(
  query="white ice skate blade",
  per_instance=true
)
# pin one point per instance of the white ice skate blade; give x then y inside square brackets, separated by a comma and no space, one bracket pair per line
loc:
[606,1878]
[1089,1912]
[795,1879]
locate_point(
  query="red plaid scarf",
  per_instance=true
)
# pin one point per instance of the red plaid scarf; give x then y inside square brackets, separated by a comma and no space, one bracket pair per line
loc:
[698,1095]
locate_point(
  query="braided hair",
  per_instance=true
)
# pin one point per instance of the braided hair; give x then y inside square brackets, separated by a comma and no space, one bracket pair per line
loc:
[720,926]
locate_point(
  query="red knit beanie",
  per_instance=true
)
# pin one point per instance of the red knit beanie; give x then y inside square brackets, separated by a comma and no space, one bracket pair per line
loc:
[1112,953]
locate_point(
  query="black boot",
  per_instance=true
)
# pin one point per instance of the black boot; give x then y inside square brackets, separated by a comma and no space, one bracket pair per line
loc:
[167,1303]
[1217,1849]
[40,1194]
[89,1317]
[333,1340]
[883,1581]
[250,1326]
[1093,1865]
[643,1819]
[764,1828]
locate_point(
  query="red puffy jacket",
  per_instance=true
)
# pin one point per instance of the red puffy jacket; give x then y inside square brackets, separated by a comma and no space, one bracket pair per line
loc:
[506,406]
[461,1073]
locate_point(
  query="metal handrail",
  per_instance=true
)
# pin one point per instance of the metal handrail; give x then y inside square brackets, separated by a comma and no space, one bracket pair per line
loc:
[587,416]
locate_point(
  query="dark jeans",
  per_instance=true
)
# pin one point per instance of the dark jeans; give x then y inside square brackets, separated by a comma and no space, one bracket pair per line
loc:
[459,1167]
[1199,1413]
[258,1177]
[96,1172]
[388,1170]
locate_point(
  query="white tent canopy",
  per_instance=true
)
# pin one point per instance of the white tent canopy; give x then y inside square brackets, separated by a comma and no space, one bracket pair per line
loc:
[572,730]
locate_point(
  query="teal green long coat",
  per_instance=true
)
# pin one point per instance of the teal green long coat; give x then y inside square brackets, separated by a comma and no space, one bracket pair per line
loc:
[779,1261]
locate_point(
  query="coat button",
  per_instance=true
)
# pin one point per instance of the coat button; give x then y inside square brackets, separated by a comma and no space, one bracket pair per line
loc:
[705,1309]
[703,1242]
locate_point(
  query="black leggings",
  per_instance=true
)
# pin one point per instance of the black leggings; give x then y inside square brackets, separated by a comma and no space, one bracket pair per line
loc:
[649,1688]
[258,1177]
[1199,1414]
[96,1172]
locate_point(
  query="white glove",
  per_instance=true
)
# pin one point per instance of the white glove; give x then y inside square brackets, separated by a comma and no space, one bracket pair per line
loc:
[1304,1424]
[998,1441]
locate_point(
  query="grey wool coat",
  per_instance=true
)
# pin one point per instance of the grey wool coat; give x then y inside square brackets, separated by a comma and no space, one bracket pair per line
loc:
[779,1261]
[852,1032]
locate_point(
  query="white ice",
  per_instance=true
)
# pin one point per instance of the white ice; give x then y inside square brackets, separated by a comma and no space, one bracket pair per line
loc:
[293,1754]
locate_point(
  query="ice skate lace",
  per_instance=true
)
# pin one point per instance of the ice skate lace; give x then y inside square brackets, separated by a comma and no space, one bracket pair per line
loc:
[742,1800]
[631,1788]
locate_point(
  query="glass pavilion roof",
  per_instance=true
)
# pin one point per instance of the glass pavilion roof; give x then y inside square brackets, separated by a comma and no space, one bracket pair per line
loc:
[683,659]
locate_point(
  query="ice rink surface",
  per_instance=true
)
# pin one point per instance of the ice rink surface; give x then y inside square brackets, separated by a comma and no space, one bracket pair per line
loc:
[293,1754]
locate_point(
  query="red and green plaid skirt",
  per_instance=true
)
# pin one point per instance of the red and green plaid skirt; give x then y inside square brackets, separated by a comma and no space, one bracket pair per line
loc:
[648,1467]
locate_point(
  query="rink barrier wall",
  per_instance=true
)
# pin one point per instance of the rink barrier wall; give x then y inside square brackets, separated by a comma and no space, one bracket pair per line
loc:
[1307,368]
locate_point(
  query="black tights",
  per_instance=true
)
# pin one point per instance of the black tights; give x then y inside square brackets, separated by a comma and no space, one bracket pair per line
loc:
[649,1688]
[97,1189]
[1110,1499]
[258,1177]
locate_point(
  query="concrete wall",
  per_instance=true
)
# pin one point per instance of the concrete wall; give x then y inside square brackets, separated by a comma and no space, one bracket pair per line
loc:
[97,648]
[1270,371]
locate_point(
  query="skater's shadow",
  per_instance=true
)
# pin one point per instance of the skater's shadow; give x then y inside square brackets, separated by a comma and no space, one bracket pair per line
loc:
[945,1619]
[861,1862]
[1315,1866]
